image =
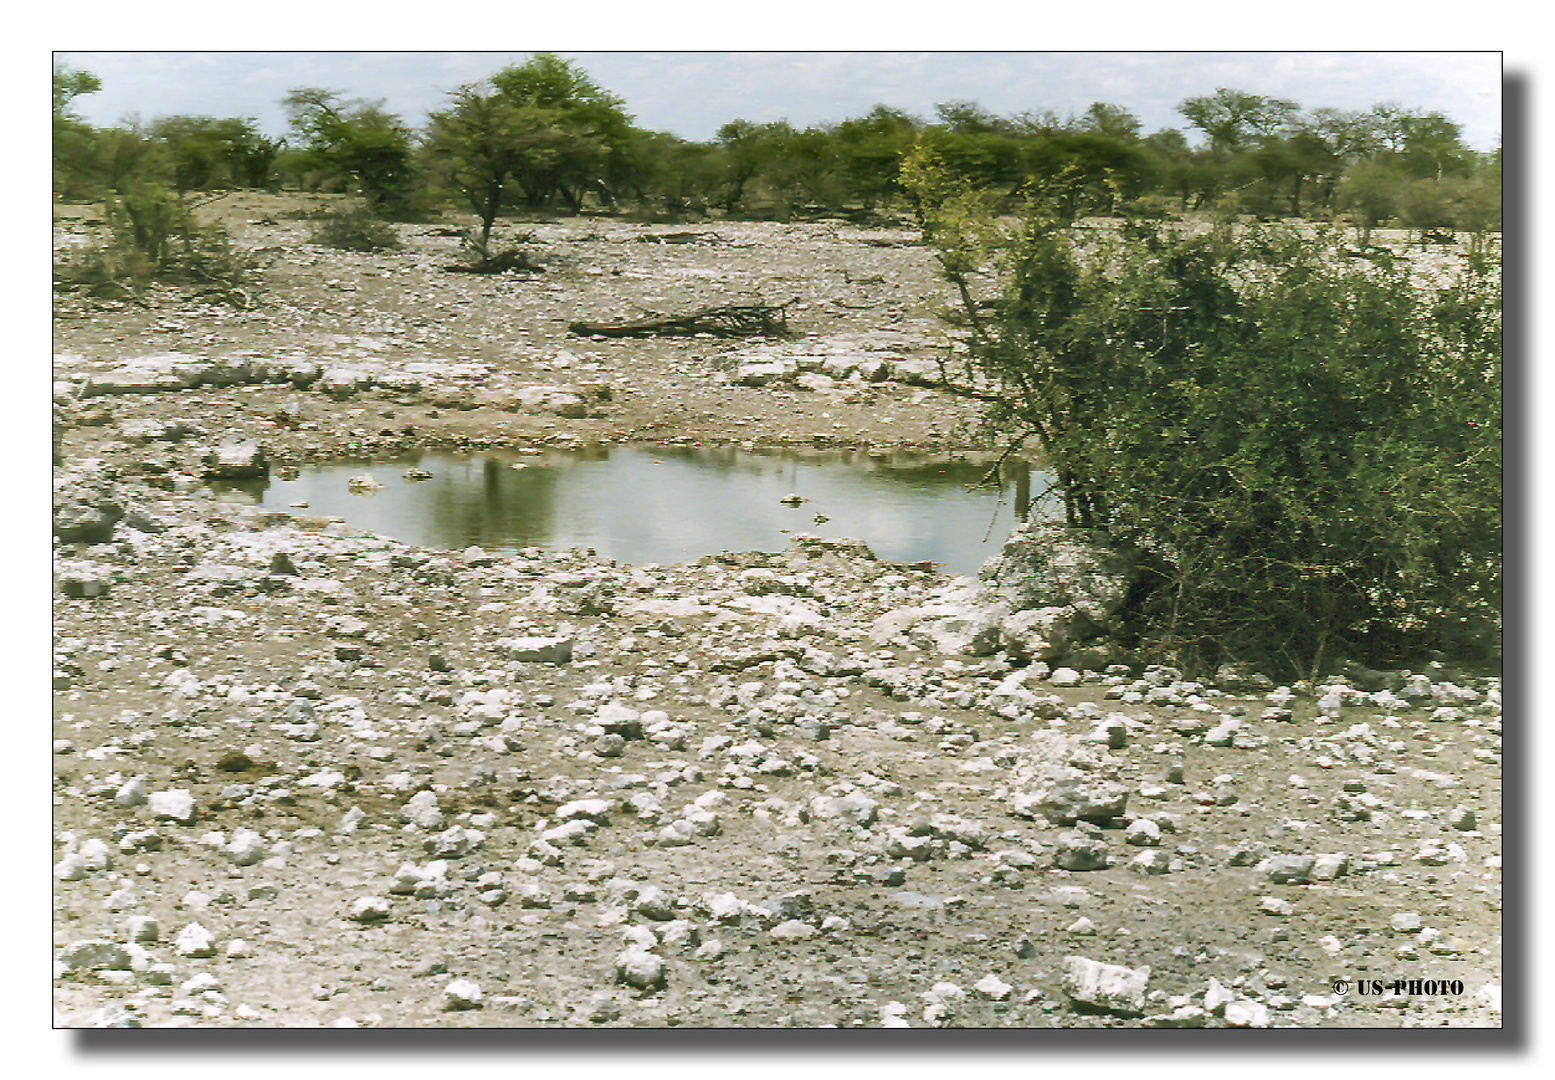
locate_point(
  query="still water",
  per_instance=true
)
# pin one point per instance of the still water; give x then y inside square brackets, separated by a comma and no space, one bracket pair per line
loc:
[650,504]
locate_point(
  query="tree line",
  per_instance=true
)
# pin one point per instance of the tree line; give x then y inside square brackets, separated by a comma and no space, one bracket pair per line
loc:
[543,135]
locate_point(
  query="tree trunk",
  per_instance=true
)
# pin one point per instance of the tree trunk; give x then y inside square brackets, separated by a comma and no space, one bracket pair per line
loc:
[489,213]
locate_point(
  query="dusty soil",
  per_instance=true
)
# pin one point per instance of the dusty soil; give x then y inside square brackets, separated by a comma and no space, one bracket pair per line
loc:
[732,804]
[850,284]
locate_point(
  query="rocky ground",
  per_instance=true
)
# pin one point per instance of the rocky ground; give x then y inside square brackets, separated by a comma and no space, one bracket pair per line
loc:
[421,356]
[305,777]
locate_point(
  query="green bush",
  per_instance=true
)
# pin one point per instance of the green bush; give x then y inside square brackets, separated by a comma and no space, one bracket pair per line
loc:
[153,236]
[1306,449]
[356,229]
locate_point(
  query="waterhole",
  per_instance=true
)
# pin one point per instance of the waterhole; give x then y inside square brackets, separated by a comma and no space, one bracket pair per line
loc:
[649,504]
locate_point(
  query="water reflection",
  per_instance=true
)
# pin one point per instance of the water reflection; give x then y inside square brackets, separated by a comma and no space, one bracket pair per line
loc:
[646,504]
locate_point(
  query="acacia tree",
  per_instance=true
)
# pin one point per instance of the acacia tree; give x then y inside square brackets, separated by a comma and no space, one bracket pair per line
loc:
[871,148]
[72,136]
[1289,164]
[479,140]
[662,169]
[794,165]
[1328,141]
[1369,191]
[576,133]
[1433,148]
[1113,121]
[206,151]
[70,84]
[356,141]
[127,155]
[743,150]
[1232,118]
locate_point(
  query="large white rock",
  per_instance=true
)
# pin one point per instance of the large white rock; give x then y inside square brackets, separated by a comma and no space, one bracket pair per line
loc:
[177,804]
[131,793]
[563,401]
[237,461]
[993,988]
[422,810]
[1067,799]
[461,994]
[1050,566]
[91,857]
[245,848]
[856,808]
[639,968]
[1042,633]
[368,909]
[149,374]
[594,809]
[1247,1013]
[761,372]
[1107,987]
[957,622]
[194,940]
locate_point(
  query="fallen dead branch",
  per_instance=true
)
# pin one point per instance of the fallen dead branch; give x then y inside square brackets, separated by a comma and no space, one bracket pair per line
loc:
[732,320]
[676,238]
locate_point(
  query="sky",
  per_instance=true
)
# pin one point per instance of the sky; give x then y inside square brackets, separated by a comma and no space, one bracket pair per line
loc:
[691,94]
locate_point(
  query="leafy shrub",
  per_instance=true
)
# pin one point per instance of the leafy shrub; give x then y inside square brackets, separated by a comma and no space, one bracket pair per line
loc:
[480,258]
[1451,204]
[154,237]
[356,229]
[1369,193]
[1306,449]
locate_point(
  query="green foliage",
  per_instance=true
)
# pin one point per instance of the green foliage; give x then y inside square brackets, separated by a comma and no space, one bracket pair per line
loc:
[479,142]
[1307,448]
[544,135]
[1101,168]
[575,133]
[1112,121]
[870,150]
[1377,190]
[128,157]
[1432,148]
[1369,191]
[197,151]
[986,158]
[70,84]
[358,144]
[664,172]
[356,228]
[743,146]
[73,138]
[154,237]
[1231,118]
[149,220]
[548,81]
[778,169]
